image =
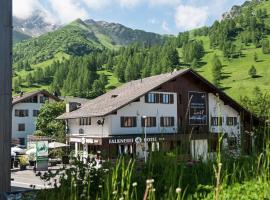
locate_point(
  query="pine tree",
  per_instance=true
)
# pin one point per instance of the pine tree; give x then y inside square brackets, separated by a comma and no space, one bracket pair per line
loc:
[265,46]
[216,70]
[255,57]
[16,85]
[29,79]
[252,72]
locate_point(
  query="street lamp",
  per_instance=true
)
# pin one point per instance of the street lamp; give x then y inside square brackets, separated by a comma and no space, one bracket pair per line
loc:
[145,142]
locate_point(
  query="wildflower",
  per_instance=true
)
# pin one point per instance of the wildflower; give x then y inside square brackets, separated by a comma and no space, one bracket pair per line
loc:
[134,184]
[122,198]
[149,181]
[154,189]
[178,190]
[115,192]
[100,186]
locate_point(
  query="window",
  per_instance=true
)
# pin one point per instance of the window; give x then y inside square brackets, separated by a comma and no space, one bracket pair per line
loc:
[231,121]
[35,113]
[128,122]
[149,122]
[21,127]
[159,98]
[43,99]
[85,121]
[151,98]
[30,100]
[165,99]
[21,113]
[216,121]
[166,121]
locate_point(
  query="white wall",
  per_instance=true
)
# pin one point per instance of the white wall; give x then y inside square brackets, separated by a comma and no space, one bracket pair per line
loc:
[218,109]
[90,130]
[112,123]
[30,121]
[139,109]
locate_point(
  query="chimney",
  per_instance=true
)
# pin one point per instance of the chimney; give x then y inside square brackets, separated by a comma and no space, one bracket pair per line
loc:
[71,106]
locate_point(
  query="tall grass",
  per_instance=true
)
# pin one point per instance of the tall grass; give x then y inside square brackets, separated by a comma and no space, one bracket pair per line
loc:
[165,177]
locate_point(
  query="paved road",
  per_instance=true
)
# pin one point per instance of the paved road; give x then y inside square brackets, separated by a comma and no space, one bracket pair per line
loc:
[26,180]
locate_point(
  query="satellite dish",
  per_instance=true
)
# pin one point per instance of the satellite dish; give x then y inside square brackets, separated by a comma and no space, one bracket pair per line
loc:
[81,131]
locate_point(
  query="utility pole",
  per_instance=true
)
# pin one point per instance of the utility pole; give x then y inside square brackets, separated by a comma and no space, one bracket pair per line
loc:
[5,93]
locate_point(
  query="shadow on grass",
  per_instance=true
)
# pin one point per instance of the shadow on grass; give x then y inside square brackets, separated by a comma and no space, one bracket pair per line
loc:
[225,88]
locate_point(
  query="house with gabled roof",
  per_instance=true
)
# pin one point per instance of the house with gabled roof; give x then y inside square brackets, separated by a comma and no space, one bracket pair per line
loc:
[25,110]
[161,112]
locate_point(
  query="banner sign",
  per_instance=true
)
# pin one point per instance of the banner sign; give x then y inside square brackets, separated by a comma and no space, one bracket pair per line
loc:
[42,148]
[197,108]
[42,155]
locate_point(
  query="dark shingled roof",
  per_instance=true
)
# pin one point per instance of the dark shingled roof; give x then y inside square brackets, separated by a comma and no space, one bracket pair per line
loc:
[24,96]
[121,96]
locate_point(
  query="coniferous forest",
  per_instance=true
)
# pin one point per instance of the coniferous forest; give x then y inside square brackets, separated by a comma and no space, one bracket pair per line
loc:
[83,65]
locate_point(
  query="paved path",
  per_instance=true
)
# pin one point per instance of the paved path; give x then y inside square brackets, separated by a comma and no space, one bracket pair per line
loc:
[27,179]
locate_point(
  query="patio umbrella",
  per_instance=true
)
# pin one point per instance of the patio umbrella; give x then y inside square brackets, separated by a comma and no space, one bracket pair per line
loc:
[31,151]
[54,145]
[13,153]
[17,150]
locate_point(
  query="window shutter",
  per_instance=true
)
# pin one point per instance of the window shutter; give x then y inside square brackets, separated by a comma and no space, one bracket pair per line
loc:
[171,99]
[146,98]
[134,124]
[122,121]
[161,121]
[172,121]
[161,98]
[157,97]
[154,121]
[142,122]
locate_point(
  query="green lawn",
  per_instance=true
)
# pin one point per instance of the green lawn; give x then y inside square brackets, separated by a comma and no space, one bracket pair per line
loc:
[236,81]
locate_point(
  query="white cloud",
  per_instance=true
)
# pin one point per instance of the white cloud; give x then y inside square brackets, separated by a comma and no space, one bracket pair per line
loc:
[164,2]
[190,17]
[129,3]
[24,8]
[153,21]
[68,10]
[165,27]
[96,4]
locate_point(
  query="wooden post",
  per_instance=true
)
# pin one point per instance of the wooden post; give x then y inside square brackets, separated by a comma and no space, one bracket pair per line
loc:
[5,92]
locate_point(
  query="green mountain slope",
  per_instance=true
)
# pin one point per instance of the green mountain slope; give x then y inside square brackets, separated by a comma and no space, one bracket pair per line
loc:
[235,40]
[236,81]
[18,36]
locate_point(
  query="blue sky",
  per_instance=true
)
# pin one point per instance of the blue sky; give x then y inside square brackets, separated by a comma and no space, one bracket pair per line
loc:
[160,16]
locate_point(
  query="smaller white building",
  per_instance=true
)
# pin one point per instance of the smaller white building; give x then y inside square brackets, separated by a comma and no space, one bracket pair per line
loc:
[25,110]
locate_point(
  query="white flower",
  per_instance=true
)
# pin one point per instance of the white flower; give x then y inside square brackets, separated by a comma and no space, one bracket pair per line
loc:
[122,198]
[114,192]
[178,190]
[134,184]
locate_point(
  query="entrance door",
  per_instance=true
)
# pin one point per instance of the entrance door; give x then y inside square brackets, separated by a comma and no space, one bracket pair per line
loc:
[199,149]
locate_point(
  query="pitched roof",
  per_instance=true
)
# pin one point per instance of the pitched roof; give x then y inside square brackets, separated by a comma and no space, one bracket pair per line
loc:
[74,99]
[24,96]
[121,96]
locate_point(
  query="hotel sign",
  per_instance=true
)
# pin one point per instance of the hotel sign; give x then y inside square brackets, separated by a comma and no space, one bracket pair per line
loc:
[197,108]
[136,140]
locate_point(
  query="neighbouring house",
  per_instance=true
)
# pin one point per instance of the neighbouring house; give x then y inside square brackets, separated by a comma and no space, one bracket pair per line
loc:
[178,109]
[25,110]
